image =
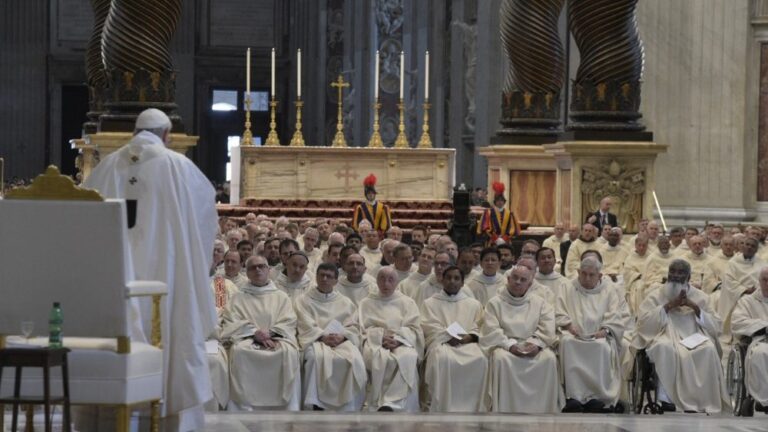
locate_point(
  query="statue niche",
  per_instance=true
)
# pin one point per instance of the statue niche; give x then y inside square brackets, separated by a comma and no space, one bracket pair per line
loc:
[623,184]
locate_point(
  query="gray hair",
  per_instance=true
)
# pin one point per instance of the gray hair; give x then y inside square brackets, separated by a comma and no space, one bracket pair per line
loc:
[678,262]
[591,263]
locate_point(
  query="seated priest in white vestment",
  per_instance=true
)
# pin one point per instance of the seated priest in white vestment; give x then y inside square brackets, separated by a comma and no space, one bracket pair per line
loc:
[702,269]
[218,360]
[403,261]
[489,281]
[264,358]
[591,323]
[741,278]
[722,256]
[219,249]
[393,343]
[750,319]
[536,288]
[233,267]
[614,254]
[679,331]
[518,335]
[329,335]
[311,237]
[634,269]
[456,368]
[586,241]
[286,247]
[553,242]
[657,266]
[547,275]
[271,251]
[434,283]
[294,280]
[371,251]
[387,256]
[425,261]
[355,284]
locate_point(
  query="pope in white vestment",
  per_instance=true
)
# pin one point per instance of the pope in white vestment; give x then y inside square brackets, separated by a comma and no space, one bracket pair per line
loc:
[172,240]
[456,368]
[329,333]
[518,335]
[750,319]
[392,346]
[691,378]
[264,358]
[592,322]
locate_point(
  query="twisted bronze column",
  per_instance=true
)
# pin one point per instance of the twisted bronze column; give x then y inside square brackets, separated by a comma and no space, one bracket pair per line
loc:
[606,91]
[138,65]
[531,96]
[94,67]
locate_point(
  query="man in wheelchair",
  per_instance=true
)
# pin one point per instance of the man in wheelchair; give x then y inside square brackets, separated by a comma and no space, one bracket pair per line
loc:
[679,331]
[748,324]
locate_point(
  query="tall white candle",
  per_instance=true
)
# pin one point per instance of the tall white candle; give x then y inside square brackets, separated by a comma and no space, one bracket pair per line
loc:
[402,74]
[248,71]
[272,80]
[376,77]
[426,76]
[298,74]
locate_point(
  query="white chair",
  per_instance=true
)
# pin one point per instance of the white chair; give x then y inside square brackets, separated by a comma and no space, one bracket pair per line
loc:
[76,252]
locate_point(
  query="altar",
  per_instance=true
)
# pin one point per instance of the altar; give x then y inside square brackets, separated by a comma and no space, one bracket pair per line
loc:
[337,173]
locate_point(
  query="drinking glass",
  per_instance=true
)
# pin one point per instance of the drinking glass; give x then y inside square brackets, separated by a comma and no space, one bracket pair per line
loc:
[27,327]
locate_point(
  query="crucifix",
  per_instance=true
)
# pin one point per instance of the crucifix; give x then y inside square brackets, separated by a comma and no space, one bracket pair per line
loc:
[338,139]
[346,174]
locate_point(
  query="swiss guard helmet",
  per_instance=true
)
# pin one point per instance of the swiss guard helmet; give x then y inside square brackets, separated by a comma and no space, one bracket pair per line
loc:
[370,183]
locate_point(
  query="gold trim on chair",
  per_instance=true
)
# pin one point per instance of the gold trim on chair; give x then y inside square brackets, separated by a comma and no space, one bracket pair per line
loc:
[123,345]
[157,335]
[52,185]
[2,341]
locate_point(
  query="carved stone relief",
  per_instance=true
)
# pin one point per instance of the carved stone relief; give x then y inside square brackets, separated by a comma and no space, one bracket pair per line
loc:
[625,185]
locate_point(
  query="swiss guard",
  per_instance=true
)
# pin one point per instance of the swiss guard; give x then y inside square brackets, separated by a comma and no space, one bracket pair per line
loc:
[498,224]
[375,212]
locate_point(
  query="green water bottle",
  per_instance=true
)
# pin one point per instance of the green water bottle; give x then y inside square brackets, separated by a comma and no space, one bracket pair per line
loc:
[55,321]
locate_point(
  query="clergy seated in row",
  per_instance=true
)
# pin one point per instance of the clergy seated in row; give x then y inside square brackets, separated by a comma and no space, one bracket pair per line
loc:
[294,280]
[402,261]
[741,278]
[657,267]
[715,236]
[271,252]
[371,251]
[424,263]
[219,249]
[392,346]
[555,240]
[634,269]
[264,357]
[702,274]
[245,249]
[750,319]
[587,240]
[489,281]
[334,375]
[685,245]
[614,254]
[355,284]
[591,323]
[309,247]
[387,256]
[218,361]
[285,248]
[508,257]
[233,237]
[536,288]
[722,256]
[233,267]
[518,335]
[466,263]
[546,263]
[434,283]
[456,369]
[679,331]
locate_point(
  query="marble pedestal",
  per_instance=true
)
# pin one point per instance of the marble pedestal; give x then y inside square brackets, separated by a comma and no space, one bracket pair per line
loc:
[96,146]
[588,171]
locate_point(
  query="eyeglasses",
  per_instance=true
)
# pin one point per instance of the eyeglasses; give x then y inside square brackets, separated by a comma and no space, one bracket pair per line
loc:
[258,267]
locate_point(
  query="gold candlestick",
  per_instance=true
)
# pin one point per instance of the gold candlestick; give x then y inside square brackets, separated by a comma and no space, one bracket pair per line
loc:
[247,139]
[375,141]
[402,140]
[425,141]
[298,138]
[339,140]
[272,139]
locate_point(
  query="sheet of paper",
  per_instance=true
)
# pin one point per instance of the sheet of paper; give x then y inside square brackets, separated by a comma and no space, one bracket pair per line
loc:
[211,347]
[403,341]
[456,330]
[334,327]
[694,340]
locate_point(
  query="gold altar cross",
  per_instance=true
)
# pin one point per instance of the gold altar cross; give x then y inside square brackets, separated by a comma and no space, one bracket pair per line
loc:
[338,139]
[346,174]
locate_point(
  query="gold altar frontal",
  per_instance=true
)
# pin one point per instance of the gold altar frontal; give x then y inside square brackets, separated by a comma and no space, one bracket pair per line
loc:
[284,172]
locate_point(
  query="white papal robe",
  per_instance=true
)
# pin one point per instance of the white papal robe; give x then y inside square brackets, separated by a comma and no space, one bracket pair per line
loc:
[591,368]
[486,287]
[263,377]
[334,378]
[356,291]
[521,384]
[749,317]
[455,377]
[692,378]
[394,377]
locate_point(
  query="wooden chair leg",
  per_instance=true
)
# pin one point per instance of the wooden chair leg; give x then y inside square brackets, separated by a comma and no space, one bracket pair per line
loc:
[16,394]
[2,417]
[30,425]
[154,416]
[123,418]
[47,398]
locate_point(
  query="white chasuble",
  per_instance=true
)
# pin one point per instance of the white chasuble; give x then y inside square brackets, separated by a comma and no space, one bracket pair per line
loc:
[356,291]
[485,287]
[749,317]
[741,275]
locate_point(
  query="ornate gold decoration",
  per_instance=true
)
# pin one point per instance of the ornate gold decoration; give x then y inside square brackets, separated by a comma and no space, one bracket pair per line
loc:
[247,139]
[123,418]
[2,176]
[154,416]
[425,141]
[298,138]
[339,140]
[2,341]
[157,335]
[376,141]
[53,186]
[402,140]
[272,139]
[123,345]
[624,185]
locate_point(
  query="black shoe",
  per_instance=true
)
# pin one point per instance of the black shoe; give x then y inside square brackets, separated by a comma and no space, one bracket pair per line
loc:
[573,406]
[386,409]
[618,408]
[668,407]
[317,408]
[595,406]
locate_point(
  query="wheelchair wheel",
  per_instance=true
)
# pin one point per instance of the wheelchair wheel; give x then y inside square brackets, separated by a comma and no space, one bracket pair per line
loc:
[741,403]
[636,383]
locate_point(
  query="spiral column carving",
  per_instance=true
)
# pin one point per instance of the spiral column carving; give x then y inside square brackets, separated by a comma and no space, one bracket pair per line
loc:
[94,67]
[606,91]
[532,89]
